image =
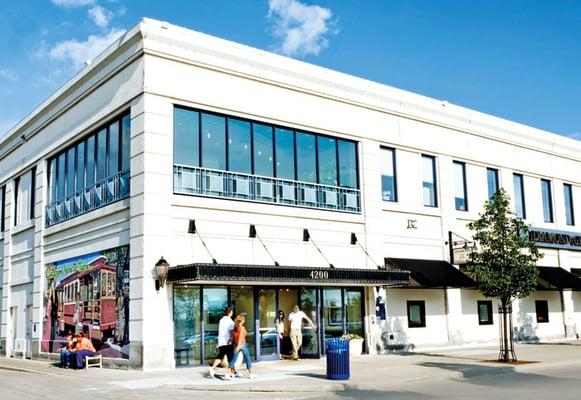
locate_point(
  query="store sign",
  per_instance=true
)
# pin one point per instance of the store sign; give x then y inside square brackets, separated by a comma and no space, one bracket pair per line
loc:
[555,239]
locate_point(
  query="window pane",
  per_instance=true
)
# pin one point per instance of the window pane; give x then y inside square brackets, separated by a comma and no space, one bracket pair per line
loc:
[547,200]
[90,172]
[125,140]
[428,181]
[70,171]
[388,188]
[327,148]
[285,153]
[460,186]
[306,158]
[519,200]
[492,177]
[569,213]
[263,162]
[61,176]
[113,148]
[186,137]
[53,179]
[415,314]
[484,312]
[80,166]
[239,146]
[101,154]
[347,164]
[213,141]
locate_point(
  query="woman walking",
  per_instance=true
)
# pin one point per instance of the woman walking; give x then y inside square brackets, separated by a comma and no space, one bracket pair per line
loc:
[239,335]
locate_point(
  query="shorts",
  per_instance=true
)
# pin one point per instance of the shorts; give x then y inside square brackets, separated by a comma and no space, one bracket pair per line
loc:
[227,351]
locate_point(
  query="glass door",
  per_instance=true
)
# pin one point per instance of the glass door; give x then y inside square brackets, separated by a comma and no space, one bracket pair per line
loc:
[354,311]
[332,312]
[309,304]
[215,301]
[267,343]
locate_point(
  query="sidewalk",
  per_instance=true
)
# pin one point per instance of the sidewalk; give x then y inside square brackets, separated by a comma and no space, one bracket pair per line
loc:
[367,372]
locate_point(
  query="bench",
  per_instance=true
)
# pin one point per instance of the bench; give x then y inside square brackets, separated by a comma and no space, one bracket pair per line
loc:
[94,361]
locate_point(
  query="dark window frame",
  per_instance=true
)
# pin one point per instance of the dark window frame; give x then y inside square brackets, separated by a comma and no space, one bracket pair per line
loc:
[15,196]
[32,192]
[488,304]
[521,179]
[274,127]
[542,311]
[464,187]
[435,179]
[496,181]
[570,209]
[551,217]
[394,165]
[422,305]
[3,210]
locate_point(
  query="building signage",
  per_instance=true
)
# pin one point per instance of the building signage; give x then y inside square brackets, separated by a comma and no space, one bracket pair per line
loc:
[555,239]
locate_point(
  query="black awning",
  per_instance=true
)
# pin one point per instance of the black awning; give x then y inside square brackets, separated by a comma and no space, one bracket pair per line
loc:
[285,274]
[559,278]
[433,273]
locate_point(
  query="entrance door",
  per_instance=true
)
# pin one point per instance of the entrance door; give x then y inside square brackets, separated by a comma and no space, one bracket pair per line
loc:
[267,343]
[309,304]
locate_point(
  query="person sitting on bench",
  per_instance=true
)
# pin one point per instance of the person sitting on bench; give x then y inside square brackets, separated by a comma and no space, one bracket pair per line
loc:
[83,349]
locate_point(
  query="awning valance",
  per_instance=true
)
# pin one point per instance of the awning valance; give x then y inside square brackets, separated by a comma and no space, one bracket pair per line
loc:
[558,278]
[287,274]
[433,273]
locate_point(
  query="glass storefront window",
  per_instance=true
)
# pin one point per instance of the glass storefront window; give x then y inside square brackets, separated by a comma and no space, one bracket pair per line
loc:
[242,300]
[285,154]
[186,130]
[354,312]
[215,301]
[263,161]
[333,312]
[213,141]
[306,157]
[308,304]
[187,327]
[266,320]
[239,146]
[327,148]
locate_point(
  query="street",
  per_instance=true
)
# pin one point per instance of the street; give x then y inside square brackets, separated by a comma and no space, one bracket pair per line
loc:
[563,381]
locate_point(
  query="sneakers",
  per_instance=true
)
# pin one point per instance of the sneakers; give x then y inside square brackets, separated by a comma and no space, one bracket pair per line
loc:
[237,375]
[211,372]
[227,376]
[252,376]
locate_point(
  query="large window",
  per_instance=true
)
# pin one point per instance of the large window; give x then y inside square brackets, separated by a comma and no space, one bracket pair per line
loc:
[416,314]
[273,164]
[519,196]
[3,208]
[460,197]
[569,211]
[388,176]
[485,312]
[492,178]
[96,166]
[429,186]
[542,311]
[547,200]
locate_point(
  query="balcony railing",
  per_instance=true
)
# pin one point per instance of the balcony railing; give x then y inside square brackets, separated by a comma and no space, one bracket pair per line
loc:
[102,193]
[225,184]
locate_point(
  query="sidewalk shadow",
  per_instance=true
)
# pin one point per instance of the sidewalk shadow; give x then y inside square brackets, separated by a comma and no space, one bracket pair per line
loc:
[383,394]
[470,370]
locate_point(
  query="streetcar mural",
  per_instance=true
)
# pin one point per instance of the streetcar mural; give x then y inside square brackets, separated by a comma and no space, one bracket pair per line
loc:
[89,294]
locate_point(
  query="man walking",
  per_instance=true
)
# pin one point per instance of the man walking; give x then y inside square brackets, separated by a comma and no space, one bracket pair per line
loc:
[296,323]
[225,347]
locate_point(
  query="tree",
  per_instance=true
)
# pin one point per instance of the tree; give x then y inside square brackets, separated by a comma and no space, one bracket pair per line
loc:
[504,267]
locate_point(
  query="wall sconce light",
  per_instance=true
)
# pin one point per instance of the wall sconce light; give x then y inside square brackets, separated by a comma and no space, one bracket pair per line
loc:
[161,268]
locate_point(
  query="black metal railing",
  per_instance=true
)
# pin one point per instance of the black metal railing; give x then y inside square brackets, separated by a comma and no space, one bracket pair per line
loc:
[226,184]
[102,193]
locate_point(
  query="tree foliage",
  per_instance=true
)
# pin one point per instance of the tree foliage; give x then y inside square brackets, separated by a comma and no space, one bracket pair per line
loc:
[505,265]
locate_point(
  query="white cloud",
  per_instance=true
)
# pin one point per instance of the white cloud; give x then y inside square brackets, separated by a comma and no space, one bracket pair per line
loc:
[76,52]
[301,28]
[100,16]
[8,75]
[72,3]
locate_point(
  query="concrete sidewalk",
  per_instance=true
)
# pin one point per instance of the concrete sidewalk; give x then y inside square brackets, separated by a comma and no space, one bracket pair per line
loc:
[367,372]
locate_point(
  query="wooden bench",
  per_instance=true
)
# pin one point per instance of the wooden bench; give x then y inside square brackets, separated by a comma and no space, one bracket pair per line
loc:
[94,361]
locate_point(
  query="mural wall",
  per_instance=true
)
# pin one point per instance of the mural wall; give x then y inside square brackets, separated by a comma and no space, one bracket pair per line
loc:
[89,294]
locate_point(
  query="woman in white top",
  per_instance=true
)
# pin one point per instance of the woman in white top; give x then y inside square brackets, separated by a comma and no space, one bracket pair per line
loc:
[225,347]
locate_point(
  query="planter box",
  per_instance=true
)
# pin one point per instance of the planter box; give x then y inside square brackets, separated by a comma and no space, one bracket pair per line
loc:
[355,347]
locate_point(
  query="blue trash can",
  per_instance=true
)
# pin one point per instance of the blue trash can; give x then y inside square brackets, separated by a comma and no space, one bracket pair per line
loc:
[337,351]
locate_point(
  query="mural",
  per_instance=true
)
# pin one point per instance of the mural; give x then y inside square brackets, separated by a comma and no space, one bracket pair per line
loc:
[89,294]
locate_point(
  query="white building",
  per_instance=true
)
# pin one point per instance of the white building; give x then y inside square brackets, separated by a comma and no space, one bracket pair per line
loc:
[265,182]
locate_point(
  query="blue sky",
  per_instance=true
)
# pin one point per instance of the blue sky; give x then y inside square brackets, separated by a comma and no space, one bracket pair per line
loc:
[516,59]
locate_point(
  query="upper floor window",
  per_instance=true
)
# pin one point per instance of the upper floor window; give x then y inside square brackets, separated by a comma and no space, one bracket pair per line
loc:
[91,173]
[24,188]
[460,197]
[547,200]
[492,179]
[519,196]
[569,212]
[2,208]
[273,163]
[429,186]
[388,176]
